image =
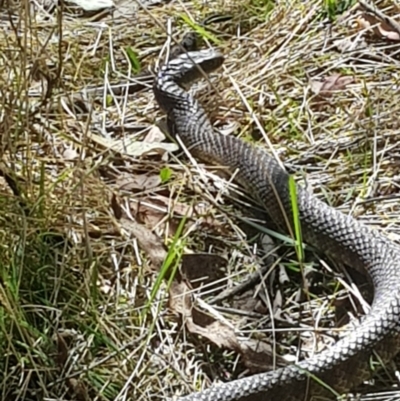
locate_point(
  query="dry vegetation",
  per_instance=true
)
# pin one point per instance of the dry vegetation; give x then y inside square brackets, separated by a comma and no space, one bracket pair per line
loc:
[90,217]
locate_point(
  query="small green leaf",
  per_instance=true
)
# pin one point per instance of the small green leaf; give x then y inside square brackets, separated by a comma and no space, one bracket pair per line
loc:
[109,100]
[165,174]
[133,59]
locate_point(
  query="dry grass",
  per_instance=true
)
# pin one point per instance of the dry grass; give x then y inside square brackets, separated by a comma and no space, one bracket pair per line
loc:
[74,281]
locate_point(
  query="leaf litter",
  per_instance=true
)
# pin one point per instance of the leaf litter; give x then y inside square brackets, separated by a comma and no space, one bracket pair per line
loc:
[203,271]
[330,84]
[308,150]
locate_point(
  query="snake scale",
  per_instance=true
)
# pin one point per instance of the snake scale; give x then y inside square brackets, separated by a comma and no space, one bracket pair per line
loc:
[345,365]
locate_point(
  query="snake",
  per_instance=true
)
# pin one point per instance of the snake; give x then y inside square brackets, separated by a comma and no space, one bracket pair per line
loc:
[346,364]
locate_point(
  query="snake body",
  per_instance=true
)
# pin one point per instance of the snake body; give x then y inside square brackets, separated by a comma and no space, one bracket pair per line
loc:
[342,238]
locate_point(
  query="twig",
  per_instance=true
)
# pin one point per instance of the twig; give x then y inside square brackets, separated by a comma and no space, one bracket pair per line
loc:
[374,10]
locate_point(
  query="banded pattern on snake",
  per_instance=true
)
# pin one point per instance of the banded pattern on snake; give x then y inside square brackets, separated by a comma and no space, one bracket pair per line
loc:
[341,237]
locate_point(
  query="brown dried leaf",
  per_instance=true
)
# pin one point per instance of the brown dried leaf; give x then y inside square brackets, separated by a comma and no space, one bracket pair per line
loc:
[148,241]
[137,148]
[116,207]
[333,83]
[152,209]
[129,145]
[197,321]
[154,135]
[62,351]
[129,182]
[256,355]
[380,28]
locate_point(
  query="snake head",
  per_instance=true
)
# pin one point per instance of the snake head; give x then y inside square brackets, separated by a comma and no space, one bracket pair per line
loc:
[190,66]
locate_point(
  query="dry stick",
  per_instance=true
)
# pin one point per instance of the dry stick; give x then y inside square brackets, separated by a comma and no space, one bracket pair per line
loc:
[372,9]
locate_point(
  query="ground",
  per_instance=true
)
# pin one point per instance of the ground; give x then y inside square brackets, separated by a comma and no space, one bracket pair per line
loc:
[104,219]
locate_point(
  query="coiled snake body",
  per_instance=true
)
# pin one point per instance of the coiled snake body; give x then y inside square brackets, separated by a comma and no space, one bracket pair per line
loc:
[346,364]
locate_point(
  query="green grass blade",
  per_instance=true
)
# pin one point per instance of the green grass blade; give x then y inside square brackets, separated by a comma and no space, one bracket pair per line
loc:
[200,30]
[296,219]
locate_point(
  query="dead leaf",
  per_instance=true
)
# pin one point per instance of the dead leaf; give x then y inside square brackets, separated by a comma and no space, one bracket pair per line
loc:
[257,355]
[151,210]
[133,147]
[62,351]
[330,84]
[141,182]
[154,135]
[138,148]
[197,321]
[148,241]
[380,28]
[116,207]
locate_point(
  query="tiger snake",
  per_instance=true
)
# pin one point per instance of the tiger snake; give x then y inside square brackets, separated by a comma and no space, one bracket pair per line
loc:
[345,365]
